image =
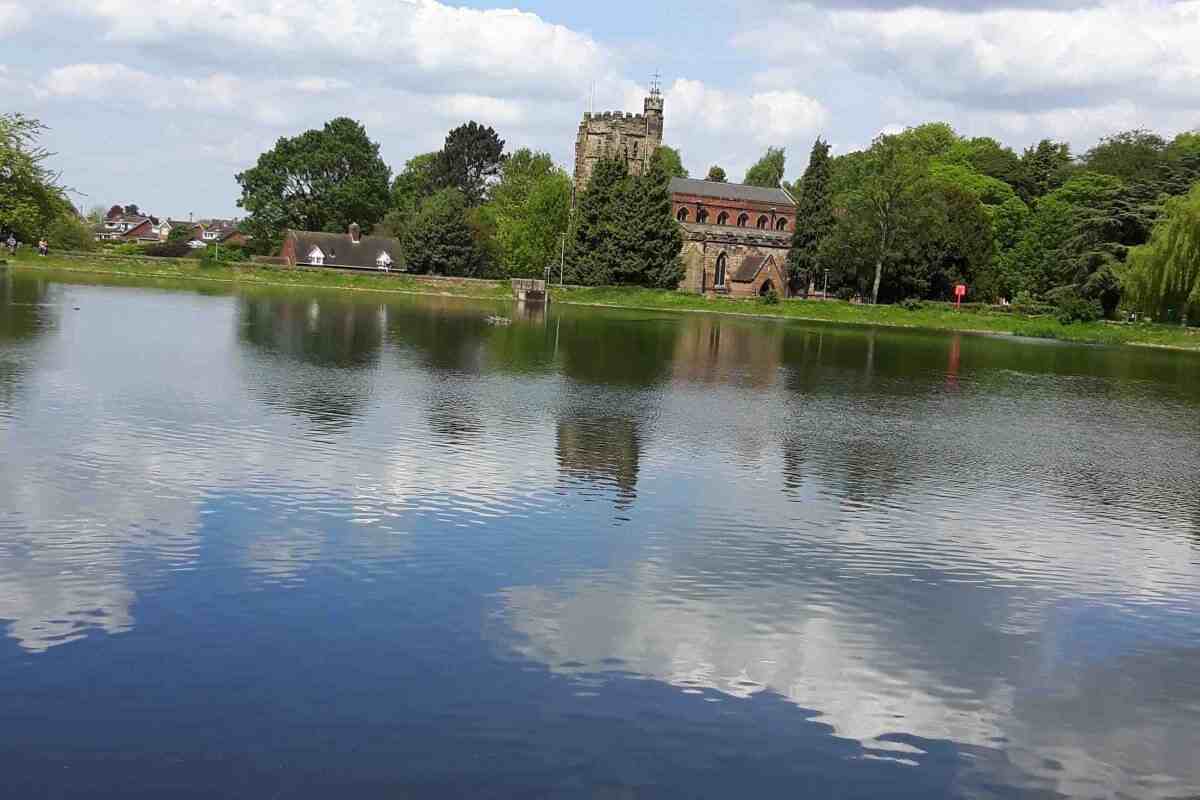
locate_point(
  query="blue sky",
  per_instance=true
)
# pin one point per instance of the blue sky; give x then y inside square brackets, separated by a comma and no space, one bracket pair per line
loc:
[161,104]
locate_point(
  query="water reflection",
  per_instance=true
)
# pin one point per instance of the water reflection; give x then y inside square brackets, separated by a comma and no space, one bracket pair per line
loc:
[314,355]
[600,452]
[862,562]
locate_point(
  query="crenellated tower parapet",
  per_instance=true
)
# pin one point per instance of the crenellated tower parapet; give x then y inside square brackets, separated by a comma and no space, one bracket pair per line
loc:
[622,134]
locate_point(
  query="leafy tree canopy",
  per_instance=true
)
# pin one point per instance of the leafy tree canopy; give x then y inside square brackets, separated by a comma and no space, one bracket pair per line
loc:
[321,180]
[31,197]
[989,191]
[1044,168]
[529,208]
[716,174]
[769,169]
[471,160]
[440,239]
[1131,155]
[985,156]
[671,160]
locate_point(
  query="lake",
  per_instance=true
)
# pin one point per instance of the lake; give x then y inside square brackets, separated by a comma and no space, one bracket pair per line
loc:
[308,545]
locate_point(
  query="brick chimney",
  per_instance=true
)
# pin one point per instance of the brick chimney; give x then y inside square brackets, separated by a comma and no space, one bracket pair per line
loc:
[355,236]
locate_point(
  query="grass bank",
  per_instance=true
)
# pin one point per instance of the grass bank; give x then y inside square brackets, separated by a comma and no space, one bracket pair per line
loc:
[930,317]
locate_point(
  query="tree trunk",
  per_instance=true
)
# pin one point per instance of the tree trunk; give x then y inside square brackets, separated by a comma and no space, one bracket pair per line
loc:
[878,277]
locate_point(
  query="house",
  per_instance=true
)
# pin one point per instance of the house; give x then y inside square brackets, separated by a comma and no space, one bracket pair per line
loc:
[117,224]
[219,231]
[350,250]
[144,232]
[736,237]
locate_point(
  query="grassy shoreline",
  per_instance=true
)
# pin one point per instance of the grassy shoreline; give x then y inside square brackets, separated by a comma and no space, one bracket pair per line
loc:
[928,318]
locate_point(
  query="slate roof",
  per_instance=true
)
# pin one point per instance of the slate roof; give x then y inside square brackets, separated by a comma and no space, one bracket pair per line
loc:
[731,191]
[749,268]
[341,252]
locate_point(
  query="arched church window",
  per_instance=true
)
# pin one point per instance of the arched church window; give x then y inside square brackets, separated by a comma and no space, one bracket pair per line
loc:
[723,218]
[781,224]
[743,220]
[682,216]
[722,262]
[762,222]
[702,216]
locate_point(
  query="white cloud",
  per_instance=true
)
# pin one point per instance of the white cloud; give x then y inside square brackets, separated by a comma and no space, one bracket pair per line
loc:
[406,41]
[13,19]
[494,110]
[320,85]
[732,127]
[1010,58]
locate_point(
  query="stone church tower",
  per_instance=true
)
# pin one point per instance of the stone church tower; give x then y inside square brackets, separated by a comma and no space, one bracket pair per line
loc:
[634,137]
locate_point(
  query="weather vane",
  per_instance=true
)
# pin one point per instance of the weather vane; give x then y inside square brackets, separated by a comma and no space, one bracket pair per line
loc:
[656,84]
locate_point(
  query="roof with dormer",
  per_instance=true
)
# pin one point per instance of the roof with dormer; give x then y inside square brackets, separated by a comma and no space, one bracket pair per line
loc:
[340,251]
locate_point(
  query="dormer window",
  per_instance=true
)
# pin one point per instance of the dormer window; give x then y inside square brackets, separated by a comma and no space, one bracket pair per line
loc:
[316,256]
[384,261]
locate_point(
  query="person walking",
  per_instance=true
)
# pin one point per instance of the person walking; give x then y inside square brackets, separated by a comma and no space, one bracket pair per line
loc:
[43,247]
[12,245]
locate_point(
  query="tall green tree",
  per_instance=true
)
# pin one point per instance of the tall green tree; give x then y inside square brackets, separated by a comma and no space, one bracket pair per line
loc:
[1110,218]
[768,171]
[716,174]
[529,208]
[814,215]
[1044,168]
[440,239]
[1162,277]
[893,171]
[31,197]
[471,160]
[417,181]
[321,180]
[671,160]
[986,156]
[1136,155]
[596,253]
[652,238]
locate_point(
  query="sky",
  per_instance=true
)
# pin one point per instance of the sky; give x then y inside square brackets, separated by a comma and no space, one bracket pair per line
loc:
[162,104]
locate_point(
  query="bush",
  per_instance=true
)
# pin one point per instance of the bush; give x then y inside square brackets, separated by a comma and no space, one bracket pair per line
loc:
[169,249]
[845,293]
[68,232]
[771,298]
[912,304]
[1078,309]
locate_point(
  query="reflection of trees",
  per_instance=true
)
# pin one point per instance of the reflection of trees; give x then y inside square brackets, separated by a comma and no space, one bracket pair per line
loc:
[616,348]
[601,451]
[24,315]
[313,355]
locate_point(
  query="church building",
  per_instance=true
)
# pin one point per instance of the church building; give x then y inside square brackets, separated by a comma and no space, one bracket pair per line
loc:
[736,237]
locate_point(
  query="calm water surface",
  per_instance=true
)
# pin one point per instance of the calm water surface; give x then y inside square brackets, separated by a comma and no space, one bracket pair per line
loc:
[294,545]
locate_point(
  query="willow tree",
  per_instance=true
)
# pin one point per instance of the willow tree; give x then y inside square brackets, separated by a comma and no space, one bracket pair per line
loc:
[1162,277]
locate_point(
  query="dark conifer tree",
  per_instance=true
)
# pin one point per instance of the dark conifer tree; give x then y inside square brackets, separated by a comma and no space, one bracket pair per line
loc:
[653,239]
[595,257]
[814,216]
[440,240]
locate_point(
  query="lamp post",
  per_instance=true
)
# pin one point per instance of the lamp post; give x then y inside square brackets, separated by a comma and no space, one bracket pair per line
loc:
[562,259]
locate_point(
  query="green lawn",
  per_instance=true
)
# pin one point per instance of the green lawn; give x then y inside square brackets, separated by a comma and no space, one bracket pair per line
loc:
[931,317]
